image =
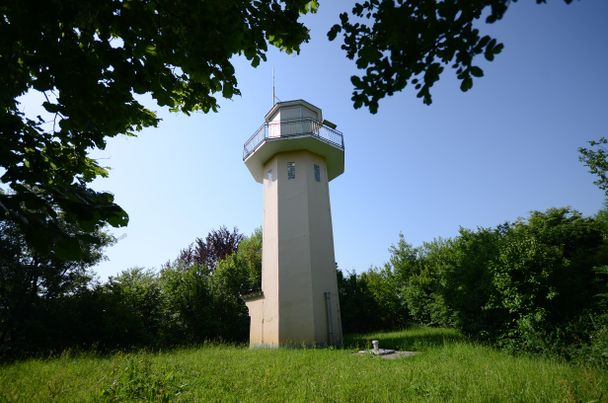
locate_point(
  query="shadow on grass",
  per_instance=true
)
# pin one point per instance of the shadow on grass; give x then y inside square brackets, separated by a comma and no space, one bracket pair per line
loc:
[412,339]
[108,353]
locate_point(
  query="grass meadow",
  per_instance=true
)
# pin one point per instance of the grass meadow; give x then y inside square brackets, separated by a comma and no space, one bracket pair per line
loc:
[447,369]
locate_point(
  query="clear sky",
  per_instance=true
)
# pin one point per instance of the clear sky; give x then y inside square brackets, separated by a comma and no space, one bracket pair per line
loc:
[471,159]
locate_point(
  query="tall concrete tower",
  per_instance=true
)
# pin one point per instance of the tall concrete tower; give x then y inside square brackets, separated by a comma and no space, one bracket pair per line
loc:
[294,155]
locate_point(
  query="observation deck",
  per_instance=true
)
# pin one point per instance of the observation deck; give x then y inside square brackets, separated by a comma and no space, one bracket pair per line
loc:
[292,126]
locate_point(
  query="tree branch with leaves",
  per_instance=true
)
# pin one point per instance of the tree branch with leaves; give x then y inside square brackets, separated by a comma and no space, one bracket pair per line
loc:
[91,59]
[399,42]
[596,159]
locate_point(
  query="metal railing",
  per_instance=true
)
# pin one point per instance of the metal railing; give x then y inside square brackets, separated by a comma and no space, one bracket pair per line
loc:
[292,128]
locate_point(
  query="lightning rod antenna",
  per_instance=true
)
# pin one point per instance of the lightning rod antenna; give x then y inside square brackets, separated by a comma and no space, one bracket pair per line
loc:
[273,90]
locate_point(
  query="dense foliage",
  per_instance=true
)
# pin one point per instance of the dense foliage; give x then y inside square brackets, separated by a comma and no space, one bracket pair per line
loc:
[48,306]
[538,285]
[35,289]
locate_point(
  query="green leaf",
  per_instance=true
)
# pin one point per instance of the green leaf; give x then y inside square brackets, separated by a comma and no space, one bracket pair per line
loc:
[333,32]
[120,218]
[151,50]
[476,71]
[50,107]
[484,41]
[68,249]
[466,84]
[310,7]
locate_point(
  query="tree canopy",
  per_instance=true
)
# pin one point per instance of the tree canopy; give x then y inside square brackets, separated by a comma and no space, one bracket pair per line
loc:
[90,60]
[401,42]
[217,245]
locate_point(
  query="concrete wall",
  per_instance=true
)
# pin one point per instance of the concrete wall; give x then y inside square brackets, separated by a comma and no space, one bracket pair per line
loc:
[323,266]
[298,257]
[290,112]
[270,255]
[295,279]
[256,327]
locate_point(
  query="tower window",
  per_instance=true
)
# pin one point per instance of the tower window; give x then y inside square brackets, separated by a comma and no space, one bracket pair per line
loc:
[291,170]
[317,173]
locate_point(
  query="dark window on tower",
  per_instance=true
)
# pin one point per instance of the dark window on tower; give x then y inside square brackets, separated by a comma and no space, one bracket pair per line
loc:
[291,170]
[317,173]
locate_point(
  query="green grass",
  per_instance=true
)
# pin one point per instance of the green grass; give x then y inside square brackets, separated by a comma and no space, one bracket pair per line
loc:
[447,369]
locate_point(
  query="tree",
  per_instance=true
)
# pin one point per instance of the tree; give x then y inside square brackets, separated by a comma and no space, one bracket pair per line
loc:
[401,42]
[250,253]
[596,160]
[241,272]
[236,275]
[135,308]
[33,287]
[358,308]
[204,302]
[545,274]
[188,305]
[89,59]
[218,245]
[461,265]
[385,287]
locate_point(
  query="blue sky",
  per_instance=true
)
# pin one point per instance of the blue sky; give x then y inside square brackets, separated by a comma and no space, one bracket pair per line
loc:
[471,159]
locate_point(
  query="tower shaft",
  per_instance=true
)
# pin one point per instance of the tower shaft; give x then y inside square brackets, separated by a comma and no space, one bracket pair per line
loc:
[299,303]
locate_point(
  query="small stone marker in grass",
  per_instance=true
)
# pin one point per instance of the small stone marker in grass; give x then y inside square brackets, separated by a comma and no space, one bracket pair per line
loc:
[386,353]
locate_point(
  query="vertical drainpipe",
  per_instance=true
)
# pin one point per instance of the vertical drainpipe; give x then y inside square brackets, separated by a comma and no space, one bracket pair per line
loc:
[329,316]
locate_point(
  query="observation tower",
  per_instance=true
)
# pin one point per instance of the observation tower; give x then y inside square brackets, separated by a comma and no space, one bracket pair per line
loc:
[294,155]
